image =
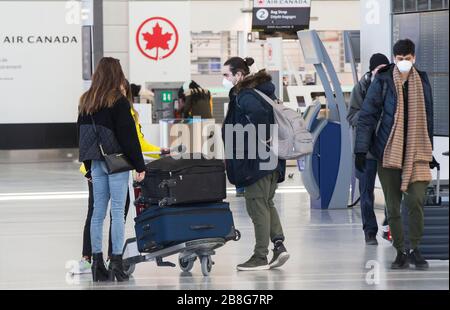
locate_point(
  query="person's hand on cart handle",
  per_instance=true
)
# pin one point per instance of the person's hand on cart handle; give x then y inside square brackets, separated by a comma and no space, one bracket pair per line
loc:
[140,176]
[165,151]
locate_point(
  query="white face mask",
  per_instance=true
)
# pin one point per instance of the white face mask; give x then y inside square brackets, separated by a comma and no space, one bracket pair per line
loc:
[404,66]
[228,85]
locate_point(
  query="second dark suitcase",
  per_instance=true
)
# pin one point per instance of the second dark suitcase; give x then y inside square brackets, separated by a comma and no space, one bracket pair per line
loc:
[169,181]
[161,227]
[434,244]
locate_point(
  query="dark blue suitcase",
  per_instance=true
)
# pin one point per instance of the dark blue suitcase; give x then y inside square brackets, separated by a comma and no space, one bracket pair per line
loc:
[161,227]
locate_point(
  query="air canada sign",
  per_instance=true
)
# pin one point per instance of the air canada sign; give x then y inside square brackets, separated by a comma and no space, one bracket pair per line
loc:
[157,38]
[39,39]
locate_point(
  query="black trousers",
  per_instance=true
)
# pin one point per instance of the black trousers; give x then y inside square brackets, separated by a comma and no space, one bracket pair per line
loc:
[87,249]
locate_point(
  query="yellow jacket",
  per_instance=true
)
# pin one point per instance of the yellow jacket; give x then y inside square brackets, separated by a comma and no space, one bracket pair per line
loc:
[145,145]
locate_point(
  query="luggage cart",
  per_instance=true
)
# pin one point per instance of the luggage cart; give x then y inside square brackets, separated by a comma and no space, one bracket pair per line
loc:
[188,251]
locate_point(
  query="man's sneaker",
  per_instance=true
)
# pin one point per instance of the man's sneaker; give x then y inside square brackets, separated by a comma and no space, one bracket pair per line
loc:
[280,255]
[401,261]
[417,259]
[254,263]
[371,239]
[83,267]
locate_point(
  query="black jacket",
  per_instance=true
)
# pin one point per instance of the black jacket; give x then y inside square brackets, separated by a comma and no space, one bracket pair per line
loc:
[247,107]
[377,114]
[117,132]
[359,92]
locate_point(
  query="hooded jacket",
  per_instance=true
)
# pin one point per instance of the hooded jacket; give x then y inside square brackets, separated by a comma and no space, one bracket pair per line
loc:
[247,107]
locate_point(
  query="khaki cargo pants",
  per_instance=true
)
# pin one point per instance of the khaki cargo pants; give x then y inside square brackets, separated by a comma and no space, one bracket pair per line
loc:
[261,209]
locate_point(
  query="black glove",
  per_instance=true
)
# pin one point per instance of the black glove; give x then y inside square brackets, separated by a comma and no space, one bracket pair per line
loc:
[360,162]
[434,164]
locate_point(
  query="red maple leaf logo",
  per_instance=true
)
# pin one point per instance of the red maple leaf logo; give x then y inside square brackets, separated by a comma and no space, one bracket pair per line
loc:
[157,39]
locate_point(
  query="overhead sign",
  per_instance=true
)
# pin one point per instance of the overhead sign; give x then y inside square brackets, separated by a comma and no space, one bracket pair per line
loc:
[285,16]
[160,44]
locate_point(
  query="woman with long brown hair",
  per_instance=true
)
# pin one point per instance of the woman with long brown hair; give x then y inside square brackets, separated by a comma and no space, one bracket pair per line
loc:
[84,265]
[104,118]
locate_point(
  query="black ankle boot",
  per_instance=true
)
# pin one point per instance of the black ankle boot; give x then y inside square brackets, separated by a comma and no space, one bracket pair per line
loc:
[115,269]
[99,272]
[401,261]
[417,259]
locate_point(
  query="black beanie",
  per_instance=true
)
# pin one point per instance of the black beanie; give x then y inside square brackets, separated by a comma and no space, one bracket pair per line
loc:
[377,60]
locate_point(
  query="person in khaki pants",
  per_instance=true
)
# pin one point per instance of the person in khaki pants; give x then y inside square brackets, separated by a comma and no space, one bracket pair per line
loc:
[261,208]
[396,125]
[246,107]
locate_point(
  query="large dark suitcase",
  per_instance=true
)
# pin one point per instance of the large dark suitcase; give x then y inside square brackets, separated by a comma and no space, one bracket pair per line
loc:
[170,181]
[161,227]
[434,244]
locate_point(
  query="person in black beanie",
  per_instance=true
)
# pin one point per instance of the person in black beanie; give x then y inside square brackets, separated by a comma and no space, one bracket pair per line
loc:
[135,90]
[367,178]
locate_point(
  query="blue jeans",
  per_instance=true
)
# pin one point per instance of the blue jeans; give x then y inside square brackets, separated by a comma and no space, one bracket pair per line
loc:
[366,189]
[106,187]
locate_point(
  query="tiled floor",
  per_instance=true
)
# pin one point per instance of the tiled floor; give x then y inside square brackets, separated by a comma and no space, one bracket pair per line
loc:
[42,210]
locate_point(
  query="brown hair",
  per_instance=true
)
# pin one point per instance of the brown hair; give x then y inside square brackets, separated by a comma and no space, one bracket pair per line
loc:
[129,95]
[105,89]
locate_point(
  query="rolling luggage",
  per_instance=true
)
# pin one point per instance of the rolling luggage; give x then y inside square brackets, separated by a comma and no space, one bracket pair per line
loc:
[161,227]
[434,244]
[169,181]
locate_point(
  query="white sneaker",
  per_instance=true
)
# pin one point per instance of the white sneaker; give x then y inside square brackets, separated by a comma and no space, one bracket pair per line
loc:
[83,267]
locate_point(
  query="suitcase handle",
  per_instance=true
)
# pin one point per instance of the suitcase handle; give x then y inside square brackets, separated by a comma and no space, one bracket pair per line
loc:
[168,183]
[438,185]
[202,227]
[166,202]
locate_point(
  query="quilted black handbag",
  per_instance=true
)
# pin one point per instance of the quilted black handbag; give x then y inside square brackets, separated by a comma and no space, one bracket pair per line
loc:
[115,163]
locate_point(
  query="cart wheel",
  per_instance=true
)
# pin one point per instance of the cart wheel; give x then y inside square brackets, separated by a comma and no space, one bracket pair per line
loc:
[186,266]
[206,265]
[129,269]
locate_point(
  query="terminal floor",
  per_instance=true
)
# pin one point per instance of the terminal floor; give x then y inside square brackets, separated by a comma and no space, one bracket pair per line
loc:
[43,208]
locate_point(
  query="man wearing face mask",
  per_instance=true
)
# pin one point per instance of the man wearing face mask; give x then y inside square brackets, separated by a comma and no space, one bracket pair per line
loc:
[247,107]
[396,125]
[367,179]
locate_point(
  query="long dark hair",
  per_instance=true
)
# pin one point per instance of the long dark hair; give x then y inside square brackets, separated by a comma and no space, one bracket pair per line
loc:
[129,92]
[197,92]
[105,90]
[238,64]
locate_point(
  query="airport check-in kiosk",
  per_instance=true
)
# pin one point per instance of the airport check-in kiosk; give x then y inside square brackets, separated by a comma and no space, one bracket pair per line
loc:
[166,95]
[326,173]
